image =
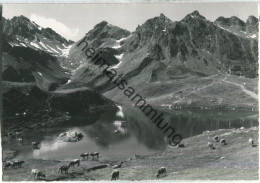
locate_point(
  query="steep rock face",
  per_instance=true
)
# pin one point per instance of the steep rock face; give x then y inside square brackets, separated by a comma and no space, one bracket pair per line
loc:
[103,31]
[32,54]
[20,31]
[238,27]
[31,71]
[162,51]
[103,36]
[232,23]
[22,64]
[252,24]
[193,43]
[158,51]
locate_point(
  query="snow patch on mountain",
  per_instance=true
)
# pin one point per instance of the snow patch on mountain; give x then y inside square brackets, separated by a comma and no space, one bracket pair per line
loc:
[35,45]
[253,36]
[43,45]
[240,33]
[23,44]
[66,50]
[52,49]
[117,46]
[119,57]
[121,39]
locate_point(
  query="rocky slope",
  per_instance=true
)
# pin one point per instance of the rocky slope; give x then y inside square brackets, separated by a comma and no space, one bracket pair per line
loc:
[34,107]
[163,52]
[32,54]
[31,69]
[20,31]
[171,64]
[104,37]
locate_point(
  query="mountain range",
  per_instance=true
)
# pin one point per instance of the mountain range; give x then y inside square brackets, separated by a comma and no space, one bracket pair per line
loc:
[193,63]
[182,63]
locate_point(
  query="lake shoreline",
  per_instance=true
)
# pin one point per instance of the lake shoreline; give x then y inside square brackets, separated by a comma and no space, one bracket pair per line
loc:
[235,161]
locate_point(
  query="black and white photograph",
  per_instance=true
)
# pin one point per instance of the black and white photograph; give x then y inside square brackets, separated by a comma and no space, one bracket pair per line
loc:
[129,91]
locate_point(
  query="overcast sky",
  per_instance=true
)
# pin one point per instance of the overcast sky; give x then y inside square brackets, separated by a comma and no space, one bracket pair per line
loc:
[73,21]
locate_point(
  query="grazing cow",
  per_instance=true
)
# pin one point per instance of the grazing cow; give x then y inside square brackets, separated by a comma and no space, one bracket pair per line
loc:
[84,155]
[210,146]
[17,164]
[74,162]
[8,164]
[161,172]
[64,168]
[216,138]
[37,173]
[223,142]
[118,166]
[115,175]
[251,142]
[94,154]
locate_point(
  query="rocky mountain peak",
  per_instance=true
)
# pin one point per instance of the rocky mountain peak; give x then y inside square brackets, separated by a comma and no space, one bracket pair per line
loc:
[221,20]
[251,20]
[20,18]
[106,30]
[162,16]
[23,27]
[252,24]
[235,20]
[195,15]
[101,25]
[233,23]
[20,31]
[20,26]
[157,22]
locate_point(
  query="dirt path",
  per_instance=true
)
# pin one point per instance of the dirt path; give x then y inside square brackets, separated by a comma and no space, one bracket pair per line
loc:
[248,92]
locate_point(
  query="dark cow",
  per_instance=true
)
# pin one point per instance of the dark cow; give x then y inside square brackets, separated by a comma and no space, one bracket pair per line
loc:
[84,155]
[115,175]
[94,154]
[161,172]
[80,136]
[63,169]
[17,164]
[8,164]
[216,138]
[74,162]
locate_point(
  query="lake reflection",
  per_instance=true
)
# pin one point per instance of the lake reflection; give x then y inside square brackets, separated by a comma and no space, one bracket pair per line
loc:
[121,133]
